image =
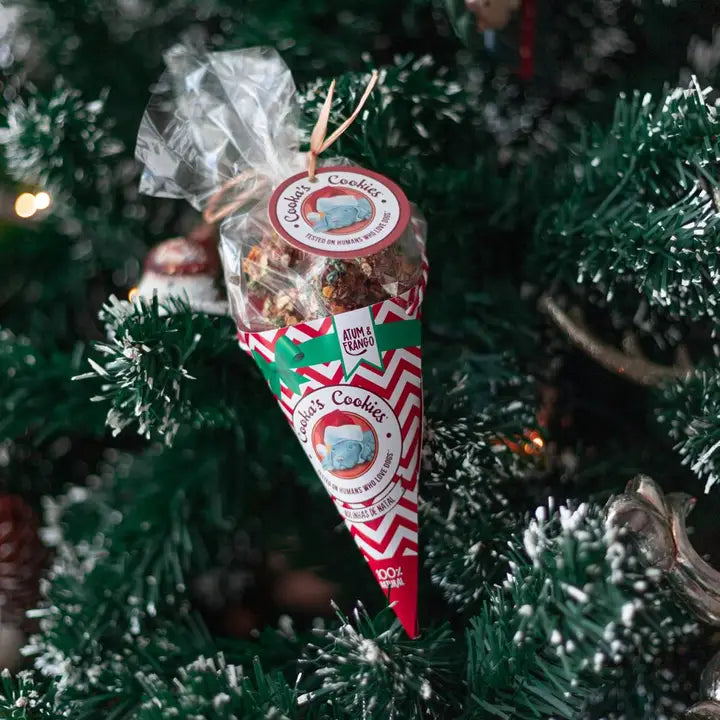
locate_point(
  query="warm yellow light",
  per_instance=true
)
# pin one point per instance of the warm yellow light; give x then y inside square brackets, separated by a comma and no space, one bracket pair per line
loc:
[25,205]
[538,441]
[132,294]
[42,200]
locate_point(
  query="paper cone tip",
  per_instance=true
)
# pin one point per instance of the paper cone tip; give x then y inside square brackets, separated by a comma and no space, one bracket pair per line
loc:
[398,578]
[359,419]
[408,620]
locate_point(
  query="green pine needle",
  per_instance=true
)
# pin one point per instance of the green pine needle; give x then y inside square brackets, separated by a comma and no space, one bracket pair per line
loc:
[164,366]
[21,699]
[465,512]
[367,668]
[575,607]
[37,398]
[210,687]
[60,140]
[641,206]
[689,410]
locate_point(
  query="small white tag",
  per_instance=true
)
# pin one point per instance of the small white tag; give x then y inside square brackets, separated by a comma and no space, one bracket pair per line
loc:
[356,335]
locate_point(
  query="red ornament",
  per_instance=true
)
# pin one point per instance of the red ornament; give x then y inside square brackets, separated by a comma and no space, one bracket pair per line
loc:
[185,267]
[528,28]
[22,557]
[181,256]
[206,235]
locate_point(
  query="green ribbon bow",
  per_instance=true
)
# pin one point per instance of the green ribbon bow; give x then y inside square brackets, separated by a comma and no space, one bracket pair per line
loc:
[326,349]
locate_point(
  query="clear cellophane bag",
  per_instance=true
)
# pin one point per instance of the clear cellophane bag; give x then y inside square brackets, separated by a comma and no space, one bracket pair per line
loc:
[222,131]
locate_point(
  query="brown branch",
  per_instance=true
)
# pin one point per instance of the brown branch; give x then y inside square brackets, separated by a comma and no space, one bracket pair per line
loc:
[633,367]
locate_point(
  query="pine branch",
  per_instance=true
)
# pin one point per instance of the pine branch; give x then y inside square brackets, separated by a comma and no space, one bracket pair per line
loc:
[127,558]
[21,699]
[689,409]
[414,110]
[130,551]
[369,669]
[633,367]
[210,687]
[60,140]
[115,607]
[166,366]
[640,206]
[37,397]
[130,546]
[64,143]
[104,677]
[575,606]
[471,463]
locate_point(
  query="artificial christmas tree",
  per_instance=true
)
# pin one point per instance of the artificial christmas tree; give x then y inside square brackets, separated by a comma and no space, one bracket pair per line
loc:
[568,337]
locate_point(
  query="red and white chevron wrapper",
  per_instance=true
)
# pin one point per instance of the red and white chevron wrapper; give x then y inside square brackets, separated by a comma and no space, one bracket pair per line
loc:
[378,497]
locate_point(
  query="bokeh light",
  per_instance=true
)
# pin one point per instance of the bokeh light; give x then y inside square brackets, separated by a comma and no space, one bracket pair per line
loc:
[25,205]
[42,200]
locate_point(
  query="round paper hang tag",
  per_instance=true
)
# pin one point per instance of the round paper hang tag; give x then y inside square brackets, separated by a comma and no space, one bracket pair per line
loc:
[345,212]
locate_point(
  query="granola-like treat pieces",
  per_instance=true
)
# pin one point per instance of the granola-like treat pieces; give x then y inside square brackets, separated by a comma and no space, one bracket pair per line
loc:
[284,285]
[272,256]
[272,270]
[358,282]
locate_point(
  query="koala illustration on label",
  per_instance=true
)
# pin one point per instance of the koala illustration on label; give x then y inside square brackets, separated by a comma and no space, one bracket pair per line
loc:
[339,211]
[346,446]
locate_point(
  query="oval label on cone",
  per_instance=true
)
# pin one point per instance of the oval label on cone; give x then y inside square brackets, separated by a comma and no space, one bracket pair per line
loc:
[345,212]
[353,439]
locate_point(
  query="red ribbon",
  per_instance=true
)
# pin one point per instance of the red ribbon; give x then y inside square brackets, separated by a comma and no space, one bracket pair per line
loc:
[528,27]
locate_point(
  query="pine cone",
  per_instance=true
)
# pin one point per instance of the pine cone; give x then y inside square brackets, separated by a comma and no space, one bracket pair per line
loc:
[22,556]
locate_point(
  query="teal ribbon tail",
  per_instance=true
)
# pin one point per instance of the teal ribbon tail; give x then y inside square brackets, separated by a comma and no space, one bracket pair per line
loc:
[287,356]
[269,372]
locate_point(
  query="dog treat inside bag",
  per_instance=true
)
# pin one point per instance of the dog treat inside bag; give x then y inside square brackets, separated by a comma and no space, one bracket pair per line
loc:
[279,285]
[325,268]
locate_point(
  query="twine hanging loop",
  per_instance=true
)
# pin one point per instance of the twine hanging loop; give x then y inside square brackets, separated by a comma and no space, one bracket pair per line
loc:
[227,199]
[318,142]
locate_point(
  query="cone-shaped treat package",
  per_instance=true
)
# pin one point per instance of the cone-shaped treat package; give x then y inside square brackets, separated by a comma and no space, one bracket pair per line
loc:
[325,270]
